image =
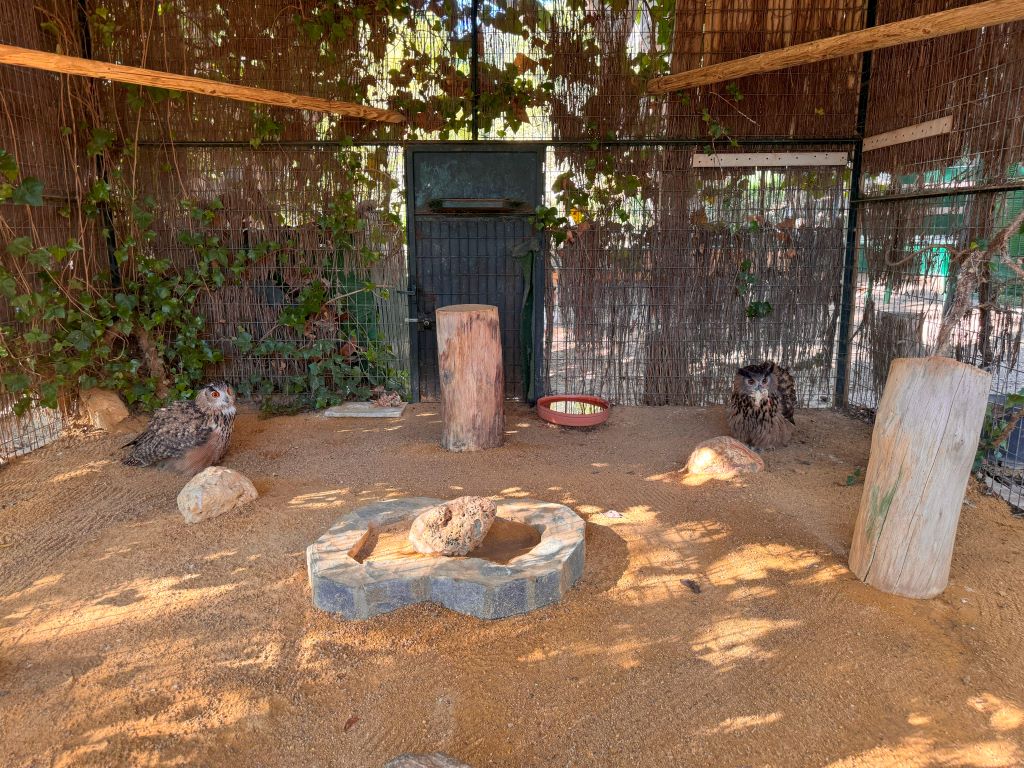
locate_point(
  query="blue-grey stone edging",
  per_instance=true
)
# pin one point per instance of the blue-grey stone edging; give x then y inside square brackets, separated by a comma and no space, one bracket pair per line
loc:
[473,586]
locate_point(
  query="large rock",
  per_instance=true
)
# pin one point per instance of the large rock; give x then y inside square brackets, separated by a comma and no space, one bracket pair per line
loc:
[433,760]
[723,457]
[453,528]
[213,492]
[103,408]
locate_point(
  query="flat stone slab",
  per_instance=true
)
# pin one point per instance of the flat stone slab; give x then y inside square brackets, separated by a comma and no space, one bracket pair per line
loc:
[363,411]
[469,585]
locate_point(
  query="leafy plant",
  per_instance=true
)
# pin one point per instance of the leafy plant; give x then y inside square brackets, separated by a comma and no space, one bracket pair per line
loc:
[746,281]
[996,429]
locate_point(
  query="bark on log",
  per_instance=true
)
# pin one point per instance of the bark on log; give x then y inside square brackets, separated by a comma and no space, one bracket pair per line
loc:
[922,449]
[472,377]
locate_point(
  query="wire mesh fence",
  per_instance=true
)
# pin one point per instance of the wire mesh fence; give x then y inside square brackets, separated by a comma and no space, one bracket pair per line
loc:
[695,273]
[324,282]
[668,276]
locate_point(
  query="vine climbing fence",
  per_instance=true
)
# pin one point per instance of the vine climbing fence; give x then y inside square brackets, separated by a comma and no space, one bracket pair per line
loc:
[173,237]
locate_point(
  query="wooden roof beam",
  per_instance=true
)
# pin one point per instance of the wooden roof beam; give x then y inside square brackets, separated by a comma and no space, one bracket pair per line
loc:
[985,14]
[72,65]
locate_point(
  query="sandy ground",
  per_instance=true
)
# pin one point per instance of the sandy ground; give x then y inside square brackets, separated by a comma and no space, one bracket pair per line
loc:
[129,638]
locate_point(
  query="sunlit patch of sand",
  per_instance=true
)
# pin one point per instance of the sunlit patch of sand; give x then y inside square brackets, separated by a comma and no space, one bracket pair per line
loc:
[744,722]
[917,752]
[756,562]
[1003,715]
[321,499]
[86,469]
[147,599]
[732,640]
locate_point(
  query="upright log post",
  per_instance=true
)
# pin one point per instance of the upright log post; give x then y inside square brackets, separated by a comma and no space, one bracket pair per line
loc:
[472,377]
[922,449]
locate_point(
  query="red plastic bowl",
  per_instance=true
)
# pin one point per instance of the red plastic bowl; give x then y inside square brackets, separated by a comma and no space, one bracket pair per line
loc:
[545,411]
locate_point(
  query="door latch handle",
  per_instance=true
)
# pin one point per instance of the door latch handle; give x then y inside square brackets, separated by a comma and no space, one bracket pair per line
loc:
[425,323]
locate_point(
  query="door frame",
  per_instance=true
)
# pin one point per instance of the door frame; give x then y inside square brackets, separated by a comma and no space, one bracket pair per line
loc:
[540,265]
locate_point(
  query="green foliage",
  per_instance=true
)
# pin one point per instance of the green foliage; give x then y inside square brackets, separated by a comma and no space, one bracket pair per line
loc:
[746,281]
[142,335]
[854,477]
[264,128]
[142,338]
[996,429]
[325,341]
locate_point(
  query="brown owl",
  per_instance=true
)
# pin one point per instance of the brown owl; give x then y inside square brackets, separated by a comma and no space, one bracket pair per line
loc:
[188,435]
[761,406]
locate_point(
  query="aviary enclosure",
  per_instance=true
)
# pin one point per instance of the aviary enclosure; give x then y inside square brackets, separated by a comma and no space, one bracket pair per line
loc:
[641,235]
[660,272]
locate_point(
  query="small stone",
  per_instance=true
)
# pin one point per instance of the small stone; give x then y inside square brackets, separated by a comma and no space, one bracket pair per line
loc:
[103,408]
[613,513]
[213,492]
[433,760]
[723,457]
[454,528]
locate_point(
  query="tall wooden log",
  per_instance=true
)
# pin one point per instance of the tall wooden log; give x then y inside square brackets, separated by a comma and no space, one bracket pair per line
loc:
[472,377]
[922,449]
[72,65]
[984,14]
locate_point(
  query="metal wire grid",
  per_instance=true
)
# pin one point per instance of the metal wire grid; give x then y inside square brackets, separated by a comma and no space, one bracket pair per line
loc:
[654,309]
[977,79]
[596,60]
[579,71]
[906,279]
[278,196]
[39,128]
[280,46]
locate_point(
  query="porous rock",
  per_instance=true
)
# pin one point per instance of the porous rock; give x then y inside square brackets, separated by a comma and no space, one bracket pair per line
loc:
[103,408]
[213,492]
[453,528]
[433,760]
[723,457]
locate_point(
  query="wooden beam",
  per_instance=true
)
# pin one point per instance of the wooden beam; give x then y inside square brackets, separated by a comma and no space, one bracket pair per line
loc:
[910,133]
[72,65]
[770,159]
[984,14]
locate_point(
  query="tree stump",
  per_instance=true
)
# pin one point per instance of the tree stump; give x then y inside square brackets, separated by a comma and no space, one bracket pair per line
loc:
[922,449]
[472,377]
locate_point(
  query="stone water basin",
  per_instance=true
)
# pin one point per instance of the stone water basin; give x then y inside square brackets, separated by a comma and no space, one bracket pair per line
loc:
[363,566]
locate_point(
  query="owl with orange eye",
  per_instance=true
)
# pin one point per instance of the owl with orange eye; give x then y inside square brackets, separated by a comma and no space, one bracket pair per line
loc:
[188,435]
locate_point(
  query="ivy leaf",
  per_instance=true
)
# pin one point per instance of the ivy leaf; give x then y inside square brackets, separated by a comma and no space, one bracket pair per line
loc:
[759,309]
[41,258]
[8,287]
[29,193]
[19,246]
[8,166]
[35,337]
[101,139]
[48,394]
[15,382]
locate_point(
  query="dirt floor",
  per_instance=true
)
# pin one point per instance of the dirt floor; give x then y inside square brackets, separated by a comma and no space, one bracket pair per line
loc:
[129,638]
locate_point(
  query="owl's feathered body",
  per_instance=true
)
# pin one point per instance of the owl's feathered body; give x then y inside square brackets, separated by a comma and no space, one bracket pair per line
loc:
[187,435]
[762,404]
